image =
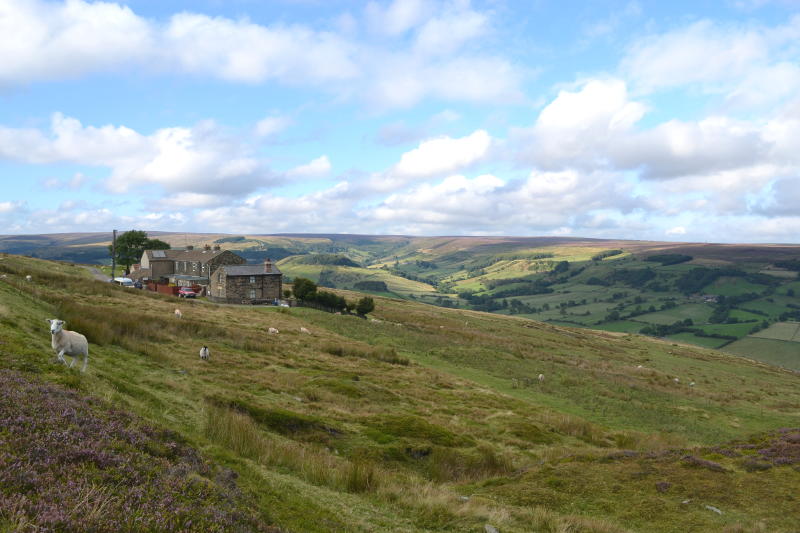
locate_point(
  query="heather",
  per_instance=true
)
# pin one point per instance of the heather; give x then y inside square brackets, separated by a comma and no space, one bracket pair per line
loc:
[69,463]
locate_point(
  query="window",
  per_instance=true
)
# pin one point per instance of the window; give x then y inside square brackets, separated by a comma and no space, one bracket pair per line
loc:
[252,294]
[252,279]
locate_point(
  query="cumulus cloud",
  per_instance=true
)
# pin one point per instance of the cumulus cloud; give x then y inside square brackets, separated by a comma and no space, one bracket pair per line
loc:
[443,155]
[487,203]
[44,40]
[198,159]
[271,125]
[749,65]
[316,168]
[578,128]
[328,210]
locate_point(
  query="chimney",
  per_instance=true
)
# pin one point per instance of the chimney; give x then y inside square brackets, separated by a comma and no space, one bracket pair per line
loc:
[217,248]
[207,247]
[268,266]
[190,247]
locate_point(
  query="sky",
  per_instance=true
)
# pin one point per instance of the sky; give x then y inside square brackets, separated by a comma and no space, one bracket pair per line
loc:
[650,120]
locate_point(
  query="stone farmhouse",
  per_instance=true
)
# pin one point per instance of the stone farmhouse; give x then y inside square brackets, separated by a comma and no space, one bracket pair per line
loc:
[246,284]
[184,267]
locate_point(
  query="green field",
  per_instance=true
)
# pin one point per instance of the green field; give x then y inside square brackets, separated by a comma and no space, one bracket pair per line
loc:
[699,314]
[782,331]
[421,419]
[691,338]
[772,351]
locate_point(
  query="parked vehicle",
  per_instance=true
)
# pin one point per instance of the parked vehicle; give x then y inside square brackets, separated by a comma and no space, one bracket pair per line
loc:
[186,292]
[138,285]
[125,282]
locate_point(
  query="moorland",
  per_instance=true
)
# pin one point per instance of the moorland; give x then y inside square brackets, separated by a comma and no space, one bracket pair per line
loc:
[417,418]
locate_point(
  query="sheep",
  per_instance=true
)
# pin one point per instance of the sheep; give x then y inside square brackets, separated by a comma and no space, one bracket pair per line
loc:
[70,343]
[691,384]
[541,378]
[676,380]
[204,353]
[3,276]
[304,330]
[273,331]
[178,313]
[639,367]
[28,278]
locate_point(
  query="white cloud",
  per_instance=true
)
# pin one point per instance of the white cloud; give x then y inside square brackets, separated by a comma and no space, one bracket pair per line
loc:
[268,213]
[271,125]
[488,204]
[198,159]
[10,207]
[443,155]
[246,52]
[677,230]
[579,127]
[396,18]
[748,65]
[42,40]
[316,168]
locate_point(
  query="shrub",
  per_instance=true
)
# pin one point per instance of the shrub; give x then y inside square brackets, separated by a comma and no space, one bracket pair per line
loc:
[365,305]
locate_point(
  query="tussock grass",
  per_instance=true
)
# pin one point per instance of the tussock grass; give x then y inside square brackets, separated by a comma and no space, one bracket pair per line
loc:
[379,353]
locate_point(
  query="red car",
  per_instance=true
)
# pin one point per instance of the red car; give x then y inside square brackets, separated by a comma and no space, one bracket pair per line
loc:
[186,292]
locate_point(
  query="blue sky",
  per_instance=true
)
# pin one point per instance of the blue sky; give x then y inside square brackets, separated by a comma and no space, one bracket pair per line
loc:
[618,119]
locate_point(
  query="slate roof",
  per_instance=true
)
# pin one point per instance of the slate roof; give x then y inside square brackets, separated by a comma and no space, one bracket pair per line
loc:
[201,255]
[249,270]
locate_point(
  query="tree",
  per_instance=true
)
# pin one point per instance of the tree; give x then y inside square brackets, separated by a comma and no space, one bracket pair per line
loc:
[132,244]
[365,305]
[303,288]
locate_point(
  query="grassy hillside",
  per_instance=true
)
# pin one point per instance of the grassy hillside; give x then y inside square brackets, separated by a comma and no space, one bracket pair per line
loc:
[429,419]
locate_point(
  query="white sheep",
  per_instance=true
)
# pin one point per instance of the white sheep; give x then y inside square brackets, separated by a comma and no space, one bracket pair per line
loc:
[676,380]
[70,343]
[28,278]
[204,353]
[3,276]
[541,378]
[639,367]
[178,313]
[273,331]
[691,384]
[304,330]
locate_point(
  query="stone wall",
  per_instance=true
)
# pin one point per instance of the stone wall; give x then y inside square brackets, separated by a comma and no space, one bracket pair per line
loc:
[239,289]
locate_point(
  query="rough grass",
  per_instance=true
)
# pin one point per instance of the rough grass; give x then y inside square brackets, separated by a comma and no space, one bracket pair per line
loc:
[329,437]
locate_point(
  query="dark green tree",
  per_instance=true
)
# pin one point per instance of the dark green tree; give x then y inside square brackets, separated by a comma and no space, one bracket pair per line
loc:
[303,288]
[132,244]
[365,305]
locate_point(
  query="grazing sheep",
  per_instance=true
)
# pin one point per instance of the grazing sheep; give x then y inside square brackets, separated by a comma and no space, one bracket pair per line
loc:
[691,384]
[28,278]
[204,353]
[304,330]
[541,378]
[70,343]
[178,313]
[639,367]
[273,331]
[676,380]
[3,276]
